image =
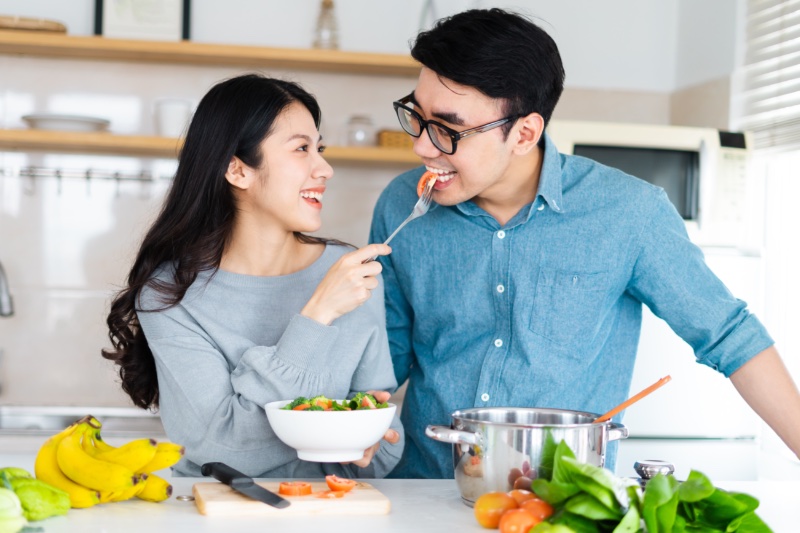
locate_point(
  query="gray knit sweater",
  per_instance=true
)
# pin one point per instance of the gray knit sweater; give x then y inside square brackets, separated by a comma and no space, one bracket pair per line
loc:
[236,342]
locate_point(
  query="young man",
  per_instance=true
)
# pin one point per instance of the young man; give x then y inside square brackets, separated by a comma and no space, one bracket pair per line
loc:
[524,285]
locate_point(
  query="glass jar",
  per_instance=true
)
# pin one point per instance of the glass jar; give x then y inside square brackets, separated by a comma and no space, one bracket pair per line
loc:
[326,33]
[360,131]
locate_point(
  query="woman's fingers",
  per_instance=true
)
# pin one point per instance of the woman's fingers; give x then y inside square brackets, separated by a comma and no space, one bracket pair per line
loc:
[347,285]
[391,436]
[380,395]
[369,453]
[370,250]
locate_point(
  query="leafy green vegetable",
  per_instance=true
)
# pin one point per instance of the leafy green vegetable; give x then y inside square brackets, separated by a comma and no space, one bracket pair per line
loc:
[586,505]
[590,499]
[571,477]
[660,504]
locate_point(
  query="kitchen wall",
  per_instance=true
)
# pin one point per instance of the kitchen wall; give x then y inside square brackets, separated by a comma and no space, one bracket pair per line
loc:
[66,244]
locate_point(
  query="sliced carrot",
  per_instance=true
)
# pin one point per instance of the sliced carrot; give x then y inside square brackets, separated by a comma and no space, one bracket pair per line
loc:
[330,494]
[337,483]
[301,407]
[294,488]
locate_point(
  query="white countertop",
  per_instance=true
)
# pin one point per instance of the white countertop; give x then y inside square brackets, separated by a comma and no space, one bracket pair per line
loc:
[417,505]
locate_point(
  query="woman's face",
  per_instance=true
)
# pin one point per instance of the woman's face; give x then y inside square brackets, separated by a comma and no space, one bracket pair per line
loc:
[291,181]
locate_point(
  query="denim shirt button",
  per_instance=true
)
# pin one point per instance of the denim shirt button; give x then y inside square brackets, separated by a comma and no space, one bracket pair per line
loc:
[501,234]
[540,208]
[485,397]
[500,288]
[498,342]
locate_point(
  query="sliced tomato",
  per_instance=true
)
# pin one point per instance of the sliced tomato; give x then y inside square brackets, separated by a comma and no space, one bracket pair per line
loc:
[423,181]
[337,483]
[330,494]
[368,403]
[294,488]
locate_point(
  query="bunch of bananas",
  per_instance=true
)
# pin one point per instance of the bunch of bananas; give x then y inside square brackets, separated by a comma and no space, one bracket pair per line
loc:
[91,471]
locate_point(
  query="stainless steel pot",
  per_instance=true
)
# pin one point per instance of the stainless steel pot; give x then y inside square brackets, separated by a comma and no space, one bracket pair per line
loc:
[491,446]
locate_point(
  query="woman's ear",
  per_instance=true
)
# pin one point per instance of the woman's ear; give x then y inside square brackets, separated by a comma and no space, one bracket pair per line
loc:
[238,174]
[530,130]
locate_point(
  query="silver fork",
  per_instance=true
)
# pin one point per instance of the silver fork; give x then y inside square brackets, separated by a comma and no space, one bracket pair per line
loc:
[420,208]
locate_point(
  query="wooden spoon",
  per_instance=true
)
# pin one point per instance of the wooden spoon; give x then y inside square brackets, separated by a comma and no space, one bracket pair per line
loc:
[632,400]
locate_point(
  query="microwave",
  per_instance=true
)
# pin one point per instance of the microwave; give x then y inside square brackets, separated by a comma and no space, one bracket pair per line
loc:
[706,173]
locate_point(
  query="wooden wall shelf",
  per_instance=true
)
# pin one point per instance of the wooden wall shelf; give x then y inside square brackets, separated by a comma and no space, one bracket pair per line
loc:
[188,52]
[164,147]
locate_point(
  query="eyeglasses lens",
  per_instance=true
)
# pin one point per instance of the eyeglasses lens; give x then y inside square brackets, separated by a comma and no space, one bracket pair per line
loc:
[440,138]
[412,125]
[409,122]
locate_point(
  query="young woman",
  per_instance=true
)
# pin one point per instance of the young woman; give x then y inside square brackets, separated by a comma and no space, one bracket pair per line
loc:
[230,305]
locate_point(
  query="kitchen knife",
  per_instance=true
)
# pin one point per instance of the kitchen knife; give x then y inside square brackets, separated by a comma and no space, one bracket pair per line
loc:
[243,484]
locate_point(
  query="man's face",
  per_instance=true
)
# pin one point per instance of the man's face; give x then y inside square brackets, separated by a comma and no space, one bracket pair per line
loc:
[479,165]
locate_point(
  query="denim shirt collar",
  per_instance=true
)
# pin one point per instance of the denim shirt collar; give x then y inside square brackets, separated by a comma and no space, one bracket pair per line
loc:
[550,182]
[550,185]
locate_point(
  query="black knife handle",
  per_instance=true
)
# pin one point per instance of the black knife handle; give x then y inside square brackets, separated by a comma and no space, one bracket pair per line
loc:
[226,474]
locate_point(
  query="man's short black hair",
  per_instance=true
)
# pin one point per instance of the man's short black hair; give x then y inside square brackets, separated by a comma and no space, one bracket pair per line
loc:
[501,54]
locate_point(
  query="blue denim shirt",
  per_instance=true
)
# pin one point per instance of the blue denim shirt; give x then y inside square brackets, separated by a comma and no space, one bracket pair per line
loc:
[544,311]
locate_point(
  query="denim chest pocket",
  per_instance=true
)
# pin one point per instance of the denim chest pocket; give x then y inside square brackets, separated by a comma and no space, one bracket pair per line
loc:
[567,306]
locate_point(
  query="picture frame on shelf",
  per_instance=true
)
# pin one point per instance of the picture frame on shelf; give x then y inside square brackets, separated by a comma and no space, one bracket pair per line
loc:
[156,20]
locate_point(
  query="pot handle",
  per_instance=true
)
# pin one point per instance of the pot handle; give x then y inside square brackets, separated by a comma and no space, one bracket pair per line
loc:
[617,431]
[452,436]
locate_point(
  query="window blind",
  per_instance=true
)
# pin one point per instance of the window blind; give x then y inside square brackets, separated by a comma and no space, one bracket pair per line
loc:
[768,99]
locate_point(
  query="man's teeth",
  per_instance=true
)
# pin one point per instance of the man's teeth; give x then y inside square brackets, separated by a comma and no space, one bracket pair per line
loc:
[310,194]
[441,174]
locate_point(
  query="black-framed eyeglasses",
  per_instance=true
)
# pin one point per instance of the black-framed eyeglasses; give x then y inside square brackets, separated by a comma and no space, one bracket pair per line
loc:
[443,138]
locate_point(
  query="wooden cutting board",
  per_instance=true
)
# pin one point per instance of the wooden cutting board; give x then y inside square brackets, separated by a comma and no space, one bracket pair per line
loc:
[218,499]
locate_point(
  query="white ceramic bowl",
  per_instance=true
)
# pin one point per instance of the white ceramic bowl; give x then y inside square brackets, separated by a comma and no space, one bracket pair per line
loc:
[329,436]
[48,121]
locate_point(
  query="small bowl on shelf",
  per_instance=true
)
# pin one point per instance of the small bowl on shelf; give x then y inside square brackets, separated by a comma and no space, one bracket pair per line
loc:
[53,122]
[329,436]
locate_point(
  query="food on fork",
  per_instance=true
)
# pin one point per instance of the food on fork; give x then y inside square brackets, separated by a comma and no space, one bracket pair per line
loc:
[423,181]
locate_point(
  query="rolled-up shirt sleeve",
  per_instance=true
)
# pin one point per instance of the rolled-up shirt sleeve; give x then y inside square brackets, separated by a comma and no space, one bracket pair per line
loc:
[671,277]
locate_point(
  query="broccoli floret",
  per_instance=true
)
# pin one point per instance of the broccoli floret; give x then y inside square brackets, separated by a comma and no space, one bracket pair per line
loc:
[294,403]
[340,406]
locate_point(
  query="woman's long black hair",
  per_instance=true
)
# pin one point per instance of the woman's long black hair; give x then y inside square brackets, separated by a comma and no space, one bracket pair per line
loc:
[196,220]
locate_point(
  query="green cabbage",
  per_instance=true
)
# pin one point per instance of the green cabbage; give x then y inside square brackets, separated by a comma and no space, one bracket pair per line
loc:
[11,517]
